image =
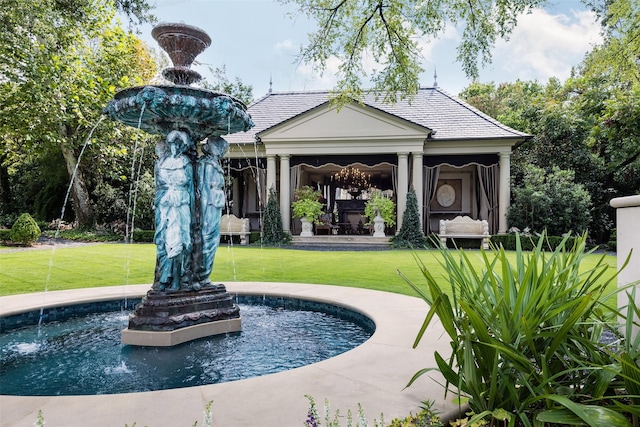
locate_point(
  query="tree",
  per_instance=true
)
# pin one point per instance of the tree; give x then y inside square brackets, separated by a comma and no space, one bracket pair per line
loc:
[68,58]
[410,234]
[552,114]
[388,31]
[272,232]
[222,84]
[550,201]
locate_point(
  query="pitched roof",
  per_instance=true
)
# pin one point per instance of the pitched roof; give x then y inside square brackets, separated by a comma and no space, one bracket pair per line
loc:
[432,108]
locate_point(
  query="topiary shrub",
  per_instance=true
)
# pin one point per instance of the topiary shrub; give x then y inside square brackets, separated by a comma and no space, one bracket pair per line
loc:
[25,230]
[410,234]
[272,231]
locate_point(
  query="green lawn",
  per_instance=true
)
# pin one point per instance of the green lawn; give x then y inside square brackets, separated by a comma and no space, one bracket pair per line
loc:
[113,264]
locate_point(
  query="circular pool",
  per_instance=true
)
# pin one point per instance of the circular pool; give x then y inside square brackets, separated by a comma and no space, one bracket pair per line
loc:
[83,355]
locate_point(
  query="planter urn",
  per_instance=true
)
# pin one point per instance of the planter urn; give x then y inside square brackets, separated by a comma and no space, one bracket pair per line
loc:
[307,227]
[378,226]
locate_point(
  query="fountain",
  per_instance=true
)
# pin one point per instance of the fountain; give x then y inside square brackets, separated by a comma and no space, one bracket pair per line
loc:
[183,304]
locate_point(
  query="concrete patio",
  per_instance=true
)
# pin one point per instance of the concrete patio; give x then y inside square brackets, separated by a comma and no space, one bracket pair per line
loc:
[374,374]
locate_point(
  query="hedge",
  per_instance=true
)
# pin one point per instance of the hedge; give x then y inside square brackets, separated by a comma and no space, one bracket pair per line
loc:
[508,241]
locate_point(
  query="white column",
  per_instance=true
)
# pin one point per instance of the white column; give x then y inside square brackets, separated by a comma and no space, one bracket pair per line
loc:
[628,239]
[504,192]
[403,186]
[271,172]
[285,193]
[417,181]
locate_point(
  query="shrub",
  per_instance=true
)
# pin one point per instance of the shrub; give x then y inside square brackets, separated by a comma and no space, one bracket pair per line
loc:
[410,234]
[5,234]
[526,336]
[145,236]
[528,243]
[25,230]
[550,201]
[272,232]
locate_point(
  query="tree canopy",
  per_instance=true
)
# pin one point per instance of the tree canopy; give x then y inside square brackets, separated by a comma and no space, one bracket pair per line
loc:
[388,32]
[62,62]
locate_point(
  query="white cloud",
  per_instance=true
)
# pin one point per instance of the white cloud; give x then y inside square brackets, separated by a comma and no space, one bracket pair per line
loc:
[450,36]
[544,45]
[285,47]
[308,79]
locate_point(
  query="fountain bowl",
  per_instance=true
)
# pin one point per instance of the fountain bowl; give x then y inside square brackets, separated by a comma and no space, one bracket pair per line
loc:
[159,109]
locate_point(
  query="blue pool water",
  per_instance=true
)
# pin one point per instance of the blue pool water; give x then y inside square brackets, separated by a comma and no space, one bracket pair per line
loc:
[84,355]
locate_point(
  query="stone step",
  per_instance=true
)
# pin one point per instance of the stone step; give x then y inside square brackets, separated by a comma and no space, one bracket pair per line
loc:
[341,240]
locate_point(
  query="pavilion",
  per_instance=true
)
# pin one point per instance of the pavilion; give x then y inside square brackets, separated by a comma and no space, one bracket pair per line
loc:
[455,158]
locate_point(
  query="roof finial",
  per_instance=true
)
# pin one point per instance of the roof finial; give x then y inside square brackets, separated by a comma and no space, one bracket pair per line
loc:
[435,77]
[270,83]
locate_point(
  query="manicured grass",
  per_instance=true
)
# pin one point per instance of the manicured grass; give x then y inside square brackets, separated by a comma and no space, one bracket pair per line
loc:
[114,264]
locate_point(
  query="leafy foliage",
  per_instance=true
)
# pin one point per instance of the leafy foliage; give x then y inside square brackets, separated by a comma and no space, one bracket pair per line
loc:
[236,88]
[550,201]
[378,204]
[307,203]
[25,230]
[273,233]
[526,334]
[410,234]
[389,33]
[53,90]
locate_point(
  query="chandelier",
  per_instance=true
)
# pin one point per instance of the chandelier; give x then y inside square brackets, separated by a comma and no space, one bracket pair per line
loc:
[352,179]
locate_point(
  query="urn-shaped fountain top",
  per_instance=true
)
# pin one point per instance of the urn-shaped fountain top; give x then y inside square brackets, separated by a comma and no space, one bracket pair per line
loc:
[182,42]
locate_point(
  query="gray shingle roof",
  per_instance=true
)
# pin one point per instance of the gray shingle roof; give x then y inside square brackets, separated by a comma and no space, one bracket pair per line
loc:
[432,108]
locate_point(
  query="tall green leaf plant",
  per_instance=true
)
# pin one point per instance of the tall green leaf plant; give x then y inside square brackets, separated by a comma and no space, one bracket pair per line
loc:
[525,334]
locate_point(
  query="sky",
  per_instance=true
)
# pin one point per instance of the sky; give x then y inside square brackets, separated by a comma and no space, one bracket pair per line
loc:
[258,42]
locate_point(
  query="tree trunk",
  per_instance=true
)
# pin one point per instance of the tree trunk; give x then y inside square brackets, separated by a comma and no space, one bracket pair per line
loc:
[79,193]
[5,188]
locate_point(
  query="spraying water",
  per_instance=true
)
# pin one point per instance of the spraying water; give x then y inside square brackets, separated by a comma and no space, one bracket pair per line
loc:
[64,207]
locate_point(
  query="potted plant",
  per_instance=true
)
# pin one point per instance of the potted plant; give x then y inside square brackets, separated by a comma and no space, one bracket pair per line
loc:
[380,210]
[308,208]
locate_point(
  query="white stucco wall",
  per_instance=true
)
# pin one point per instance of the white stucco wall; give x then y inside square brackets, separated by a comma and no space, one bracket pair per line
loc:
[628,238]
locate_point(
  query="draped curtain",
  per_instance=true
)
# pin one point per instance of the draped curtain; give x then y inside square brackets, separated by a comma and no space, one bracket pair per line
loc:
[262,187]
[430,179]
[294,182]
[488,183]
[394,179]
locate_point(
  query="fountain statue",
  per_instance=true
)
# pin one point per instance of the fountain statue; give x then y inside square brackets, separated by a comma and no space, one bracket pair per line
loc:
[183,304]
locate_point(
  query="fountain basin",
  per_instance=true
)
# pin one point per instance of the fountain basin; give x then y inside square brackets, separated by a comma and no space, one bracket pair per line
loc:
[374,374]
[82,355]
[159,109]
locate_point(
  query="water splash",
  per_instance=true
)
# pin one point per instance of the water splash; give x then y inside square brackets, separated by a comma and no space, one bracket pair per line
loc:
[120,369]
[26,348]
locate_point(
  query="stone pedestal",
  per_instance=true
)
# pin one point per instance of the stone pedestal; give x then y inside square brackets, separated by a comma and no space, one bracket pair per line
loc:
[628,242]
[170,318]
